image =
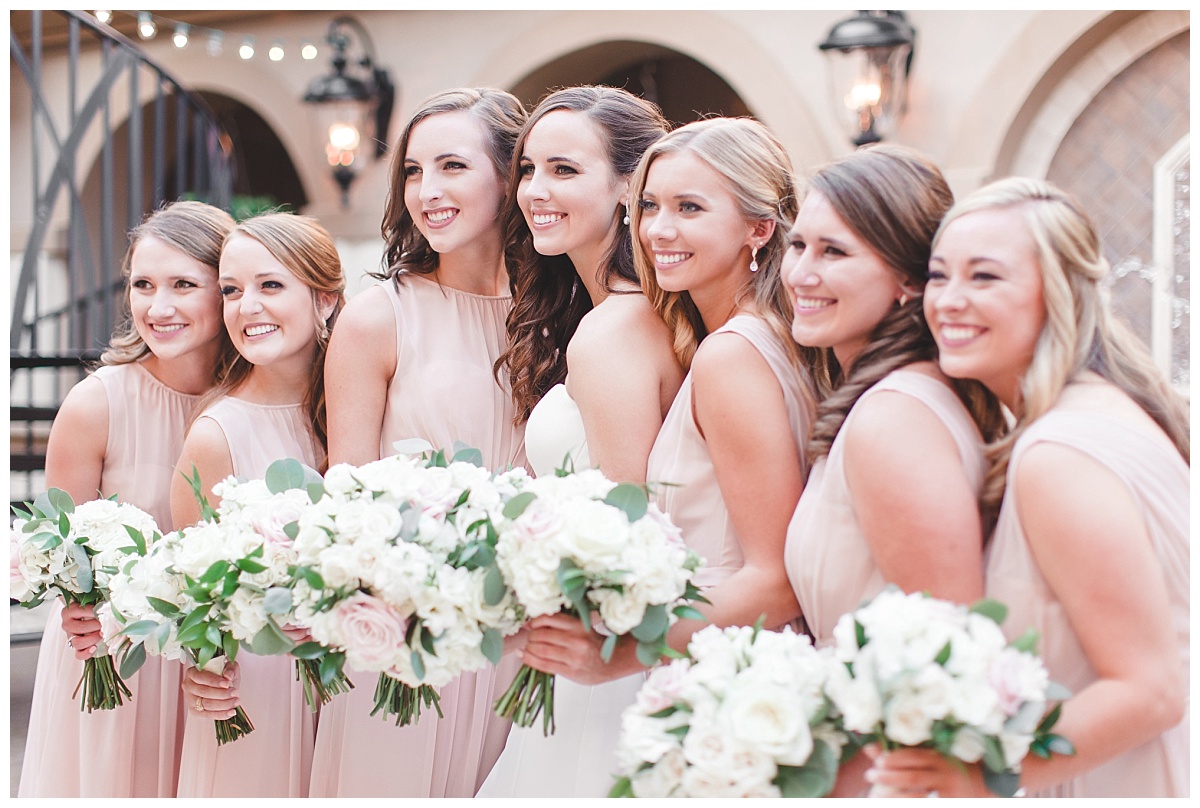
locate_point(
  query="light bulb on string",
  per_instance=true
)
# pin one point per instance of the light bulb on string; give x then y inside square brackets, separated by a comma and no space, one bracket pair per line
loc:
[308,51]
[246,51]
[181,35]
[146,27]
[276,52]
[103,16]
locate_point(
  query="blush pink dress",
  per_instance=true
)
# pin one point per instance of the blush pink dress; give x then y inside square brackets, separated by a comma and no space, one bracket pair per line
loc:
[446,344]
[827,556]
[132,751]
[275,760]
[680,456]
[1146,461]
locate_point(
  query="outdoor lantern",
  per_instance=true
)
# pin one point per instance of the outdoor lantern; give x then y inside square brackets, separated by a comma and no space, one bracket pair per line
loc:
[869,57]
[353,110]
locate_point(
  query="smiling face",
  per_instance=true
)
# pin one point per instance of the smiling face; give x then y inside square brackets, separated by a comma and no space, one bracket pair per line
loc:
[568,191]
[269,312]
[451,188]
[693,229]
[175,301]
[984,299]
[840,289]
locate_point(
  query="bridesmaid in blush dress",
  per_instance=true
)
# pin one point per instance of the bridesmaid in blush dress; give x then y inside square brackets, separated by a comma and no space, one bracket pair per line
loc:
[583,334]
[1092,545]
[713,198]
[898,455]
[119,431]
[281,280]
[412,358]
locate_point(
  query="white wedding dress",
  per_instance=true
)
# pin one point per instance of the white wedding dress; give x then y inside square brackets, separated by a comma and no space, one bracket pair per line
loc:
[579,759]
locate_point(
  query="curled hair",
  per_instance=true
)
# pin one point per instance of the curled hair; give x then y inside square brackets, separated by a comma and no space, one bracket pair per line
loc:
[548,297]
[892,198]
[1080,333]
[500,113]
[193,228]
[758,173]
[306,249]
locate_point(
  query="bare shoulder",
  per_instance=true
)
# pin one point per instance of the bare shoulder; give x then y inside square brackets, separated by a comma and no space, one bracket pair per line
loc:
[624,327]
[85,407]
[728,355]
[367,315]
[207,446]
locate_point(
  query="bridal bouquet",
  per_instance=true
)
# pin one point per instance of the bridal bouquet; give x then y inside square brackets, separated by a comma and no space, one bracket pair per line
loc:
[222,583]
[745,716]
[58,546]
[396,572]
[925,672]
[579,542]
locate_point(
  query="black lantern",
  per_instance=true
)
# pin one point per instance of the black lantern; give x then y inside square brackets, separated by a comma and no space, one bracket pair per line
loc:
[870,55]
[353,105]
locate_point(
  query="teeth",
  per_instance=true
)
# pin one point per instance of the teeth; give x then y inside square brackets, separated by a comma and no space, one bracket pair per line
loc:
[955,333]
[670,258]
[812,303]
[167,329]
[440,216]
[547,218]
[255,330]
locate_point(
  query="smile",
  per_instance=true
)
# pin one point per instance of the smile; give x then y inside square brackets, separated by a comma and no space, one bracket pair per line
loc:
[542,219]
[166,329]
[440,217]
[960,333]
[813,303]
[259,330]
[667,259]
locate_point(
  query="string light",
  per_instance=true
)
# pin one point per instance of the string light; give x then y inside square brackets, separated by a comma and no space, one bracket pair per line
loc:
[146,27]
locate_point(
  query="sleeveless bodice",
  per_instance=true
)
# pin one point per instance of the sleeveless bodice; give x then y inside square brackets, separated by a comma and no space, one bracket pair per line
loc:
[680,457]
[447,342]
[554,432]
[146,425]
[827,556]
[260,434]
[1158,479]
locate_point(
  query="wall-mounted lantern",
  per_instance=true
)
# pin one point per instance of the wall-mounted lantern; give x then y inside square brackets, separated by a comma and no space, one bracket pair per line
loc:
[869,55]
[352,109]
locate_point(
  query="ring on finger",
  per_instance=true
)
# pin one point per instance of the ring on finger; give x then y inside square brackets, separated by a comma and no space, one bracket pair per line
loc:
[199,704]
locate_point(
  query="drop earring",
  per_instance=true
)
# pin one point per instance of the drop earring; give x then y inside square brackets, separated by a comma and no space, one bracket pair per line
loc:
[627,216]
[754,259]
[903,300]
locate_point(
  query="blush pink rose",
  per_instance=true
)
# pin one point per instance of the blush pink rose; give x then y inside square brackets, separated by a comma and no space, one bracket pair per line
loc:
[372,631]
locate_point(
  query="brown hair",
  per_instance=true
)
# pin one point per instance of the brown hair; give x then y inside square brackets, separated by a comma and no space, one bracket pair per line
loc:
[302,245]
[548,298]
[1080,332]
[501,114]
[892,198]
[195,229]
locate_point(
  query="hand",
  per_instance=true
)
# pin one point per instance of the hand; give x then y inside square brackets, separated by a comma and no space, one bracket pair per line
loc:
[296,634]
[559,644]
[909,772]
[515,643]
[82,628]
[212,695]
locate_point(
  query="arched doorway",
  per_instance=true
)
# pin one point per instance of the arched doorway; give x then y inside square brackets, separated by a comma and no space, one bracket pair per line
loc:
[683,87]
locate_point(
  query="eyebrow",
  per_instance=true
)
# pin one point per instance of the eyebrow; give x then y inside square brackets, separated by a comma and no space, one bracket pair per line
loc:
[439,157]
[527,158]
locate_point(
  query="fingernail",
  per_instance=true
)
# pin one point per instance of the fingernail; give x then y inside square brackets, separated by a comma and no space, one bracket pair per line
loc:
[870,776]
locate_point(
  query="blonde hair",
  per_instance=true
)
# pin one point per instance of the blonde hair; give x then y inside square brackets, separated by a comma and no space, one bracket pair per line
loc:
[892,198]
[302,245]
[195,229]
[1080,333]
[758,172]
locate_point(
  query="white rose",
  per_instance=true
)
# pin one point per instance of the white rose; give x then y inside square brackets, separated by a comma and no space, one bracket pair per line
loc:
[767,718]
[906,720]
[661,779]
[856,698]
[968,746]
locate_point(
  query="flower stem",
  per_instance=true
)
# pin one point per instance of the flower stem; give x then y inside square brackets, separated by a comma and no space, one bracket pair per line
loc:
[530,694]
[316,692]
[393,697]
[230,729]
[103,688]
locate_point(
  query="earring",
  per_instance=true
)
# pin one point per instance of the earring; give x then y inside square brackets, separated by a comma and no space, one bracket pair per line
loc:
[903,299]
[627,216]
[754,259]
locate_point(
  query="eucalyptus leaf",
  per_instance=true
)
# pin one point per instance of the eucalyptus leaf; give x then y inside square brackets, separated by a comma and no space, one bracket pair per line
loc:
[654,624]
[467,454]
[161,635]
[308,650]
[517,505]
[291,530]
[315,491]
[623,787]
[492,646]
[134,658]
[994,610]
[41,504]
[815,778]
[629,498]
[1027,642]
[164,607]
[610,645]
[271,641]
[249,565]
[230,646]
[60,500]
[418,665]
[1057,692]
[83,574]
[410,522]
[993,754]
[330,667]
[688,613]
[284,475]
[648,653]
[139,628]
[277,600]
[1003,783]
[1060,745]
[494,587]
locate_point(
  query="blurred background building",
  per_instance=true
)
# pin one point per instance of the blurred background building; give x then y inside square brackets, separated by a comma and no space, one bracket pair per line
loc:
[113,112]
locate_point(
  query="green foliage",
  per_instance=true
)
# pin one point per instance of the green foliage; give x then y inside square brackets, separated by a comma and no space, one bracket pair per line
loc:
[517,505]
[815,778]
[629,498]
[991,609]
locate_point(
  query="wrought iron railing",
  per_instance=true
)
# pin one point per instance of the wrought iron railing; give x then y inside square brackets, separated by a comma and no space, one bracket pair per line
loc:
[112,135]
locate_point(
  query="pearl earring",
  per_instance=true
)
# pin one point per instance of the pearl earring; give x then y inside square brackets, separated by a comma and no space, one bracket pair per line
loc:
[627,216]
[754,259]
[903,299]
